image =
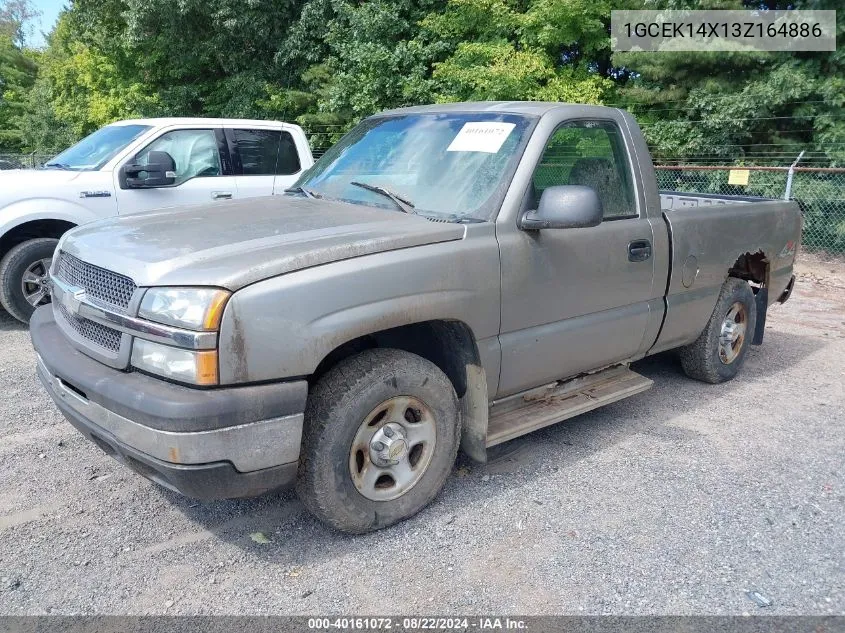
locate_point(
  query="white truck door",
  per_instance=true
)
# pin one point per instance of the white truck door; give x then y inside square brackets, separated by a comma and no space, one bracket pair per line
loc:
[203,172]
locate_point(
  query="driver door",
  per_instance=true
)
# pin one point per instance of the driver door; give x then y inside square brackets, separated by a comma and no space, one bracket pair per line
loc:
[575,300]
[203,172]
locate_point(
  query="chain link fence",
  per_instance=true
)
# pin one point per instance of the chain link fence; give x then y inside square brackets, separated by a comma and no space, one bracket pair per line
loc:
[23,161]
[322,137]
[819,191]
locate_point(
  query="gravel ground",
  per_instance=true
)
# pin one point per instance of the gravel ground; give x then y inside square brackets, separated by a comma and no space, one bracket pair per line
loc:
[679,500]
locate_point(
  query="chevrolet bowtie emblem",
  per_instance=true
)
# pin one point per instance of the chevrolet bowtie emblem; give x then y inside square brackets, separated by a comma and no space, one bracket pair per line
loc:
[72,299]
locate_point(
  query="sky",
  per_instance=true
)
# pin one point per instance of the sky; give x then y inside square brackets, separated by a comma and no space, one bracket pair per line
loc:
[49,12]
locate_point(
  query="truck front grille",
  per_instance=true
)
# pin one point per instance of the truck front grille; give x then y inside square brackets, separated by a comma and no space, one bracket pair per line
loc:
[93,332]
[101,285]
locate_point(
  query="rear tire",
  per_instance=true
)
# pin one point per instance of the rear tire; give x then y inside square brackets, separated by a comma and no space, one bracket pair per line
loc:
[23,272]
[368,410]
[719,352]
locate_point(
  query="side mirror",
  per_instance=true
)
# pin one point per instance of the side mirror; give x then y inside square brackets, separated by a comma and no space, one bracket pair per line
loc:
[159,171]
[564,207]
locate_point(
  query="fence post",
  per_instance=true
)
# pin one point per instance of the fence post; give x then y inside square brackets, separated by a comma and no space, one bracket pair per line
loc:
[788,193]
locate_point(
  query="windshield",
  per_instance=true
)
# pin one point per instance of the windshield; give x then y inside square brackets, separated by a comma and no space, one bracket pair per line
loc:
[442,164]
[97,149]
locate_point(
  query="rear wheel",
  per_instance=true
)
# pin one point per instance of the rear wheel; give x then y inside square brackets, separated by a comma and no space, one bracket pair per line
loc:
[719,352]
[24,277]
[381,434]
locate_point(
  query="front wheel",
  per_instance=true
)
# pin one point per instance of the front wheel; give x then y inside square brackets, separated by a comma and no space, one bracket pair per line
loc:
[719,352]
[381,434]
[24,277]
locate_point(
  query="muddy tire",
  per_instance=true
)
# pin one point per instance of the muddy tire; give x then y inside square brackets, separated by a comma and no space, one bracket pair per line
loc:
[381,434]
[21,273]
[719,352]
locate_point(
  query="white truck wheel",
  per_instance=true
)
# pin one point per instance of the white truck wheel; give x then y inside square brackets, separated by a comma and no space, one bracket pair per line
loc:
[24,277]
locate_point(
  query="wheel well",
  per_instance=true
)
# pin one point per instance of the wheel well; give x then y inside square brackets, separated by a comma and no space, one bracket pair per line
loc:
[31,230]
[752,267]
[448,344]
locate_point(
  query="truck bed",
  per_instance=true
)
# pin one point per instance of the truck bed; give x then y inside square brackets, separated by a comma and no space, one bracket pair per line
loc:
[708,235]
[679,199]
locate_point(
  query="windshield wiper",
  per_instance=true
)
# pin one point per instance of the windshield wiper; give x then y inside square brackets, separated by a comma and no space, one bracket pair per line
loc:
[307,192]
[451,217]
[59,166]
[406,206]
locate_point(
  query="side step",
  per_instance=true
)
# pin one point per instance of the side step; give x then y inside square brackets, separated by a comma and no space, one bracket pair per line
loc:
[558,401]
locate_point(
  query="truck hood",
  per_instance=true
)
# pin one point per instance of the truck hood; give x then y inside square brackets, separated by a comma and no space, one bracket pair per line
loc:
[17,183]
[56,191]
[233,244]
[23,178]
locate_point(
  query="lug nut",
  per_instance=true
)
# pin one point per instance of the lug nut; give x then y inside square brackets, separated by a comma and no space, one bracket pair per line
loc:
[388,431]
[378,446]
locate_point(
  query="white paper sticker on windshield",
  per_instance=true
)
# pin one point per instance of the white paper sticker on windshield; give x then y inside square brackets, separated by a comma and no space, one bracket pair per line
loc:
[481,137]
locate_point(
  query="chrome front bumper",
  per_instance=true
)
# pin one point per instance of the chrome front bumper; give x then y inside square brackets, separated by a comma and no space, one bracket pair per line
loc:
[248,447]
[210,444]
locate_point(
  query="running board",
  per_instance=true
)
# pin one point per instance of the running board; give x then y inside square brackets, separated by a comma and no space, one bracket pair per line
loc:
[528,411]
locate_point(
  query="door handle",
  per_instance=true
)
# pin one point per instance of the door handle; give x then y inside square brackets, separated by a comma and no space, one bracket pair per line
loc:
[639,250]
[221,195]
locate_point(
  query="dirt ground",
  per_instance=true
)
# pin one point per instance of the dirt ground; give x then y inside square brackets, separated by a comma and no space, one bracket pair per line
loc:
[679,500]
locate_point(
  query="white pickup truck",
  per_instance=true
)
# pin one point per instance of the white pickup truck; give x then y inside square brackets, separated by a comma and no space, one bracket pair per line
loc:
[133,166]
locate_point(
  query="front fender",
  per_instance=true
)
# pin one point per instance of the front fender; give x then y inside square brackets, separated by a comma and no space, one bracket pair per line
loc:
[283,327]
[46,208]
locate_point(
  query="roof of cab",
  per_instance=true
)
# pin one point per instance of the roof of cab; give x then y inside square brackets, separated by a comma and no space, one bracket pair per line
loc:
[167,121]
[531,108]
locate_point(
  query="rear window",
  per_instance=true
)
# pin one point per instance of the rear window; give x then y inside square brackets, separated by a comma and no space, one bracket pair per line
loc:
[266,152]
[288,162]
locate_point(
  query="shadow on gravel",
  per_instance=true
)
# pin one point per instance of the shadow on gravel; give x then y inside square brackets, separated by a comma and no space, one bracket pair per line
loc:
[779,351]
[647,412]
[10,324]
[298,537]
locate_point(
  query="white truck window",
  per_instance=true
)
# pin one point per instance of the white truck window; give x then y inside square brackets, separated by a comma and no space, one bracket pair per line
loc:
[267,152]
[96,149]
[194,151]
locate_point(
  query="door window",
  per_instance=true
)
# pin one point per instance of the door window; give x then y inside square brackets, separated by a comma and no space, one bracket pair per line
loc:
[266,152]
[590,153]
[194,152]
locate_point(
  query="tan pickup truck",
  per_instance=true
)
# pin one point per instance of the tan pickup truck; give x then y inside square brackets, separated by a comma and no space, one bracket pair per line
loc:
[445,276]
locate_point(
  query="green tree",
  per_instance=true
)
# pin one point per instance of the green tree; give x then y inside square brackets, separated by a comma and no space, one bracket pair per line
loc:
[724,106]
[17,74]
[78,90]
[376,55]
[207,58]
[353,59]
[327,63]
[551,50]
[375,61]
[15,20]
[18,70]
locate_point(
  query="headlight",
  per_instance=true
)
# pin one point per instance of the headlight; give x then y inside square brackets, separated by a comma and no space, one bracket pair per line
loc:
[198,368]
[191,308]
